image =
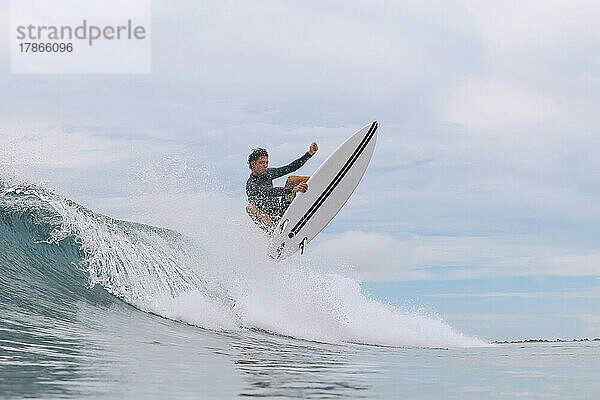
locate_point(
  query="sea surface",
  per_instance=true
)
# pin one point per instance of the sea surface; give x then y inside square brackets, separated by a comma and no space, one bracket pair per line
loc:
[95,307]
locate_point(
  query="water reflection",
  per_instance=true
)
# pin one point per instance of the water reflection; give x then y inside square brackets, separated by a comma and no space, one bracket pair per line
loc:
[282,367]
[42,356]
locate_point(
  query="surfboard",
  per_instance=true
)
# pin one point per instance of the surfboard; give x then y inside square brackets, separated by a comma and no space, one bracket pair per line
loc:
[329,188]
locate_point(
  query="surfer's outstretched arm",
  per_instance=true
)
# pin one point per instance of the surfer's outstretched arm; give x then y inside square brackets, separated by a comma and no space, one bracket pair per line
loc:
[291,167]
[294,165]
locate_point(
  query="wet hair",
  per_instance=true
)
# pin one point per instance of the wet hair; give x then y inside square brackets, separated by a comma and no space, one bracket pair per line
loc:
[256,154]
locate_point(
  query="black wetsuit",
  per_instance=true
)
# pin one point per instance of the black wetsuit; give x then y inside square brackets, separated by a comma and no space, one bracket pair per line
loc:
[267,198]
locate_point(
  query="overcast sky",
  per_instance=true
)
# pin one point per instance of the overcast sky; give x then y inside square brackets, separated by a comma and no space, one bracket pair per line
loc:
[487,162]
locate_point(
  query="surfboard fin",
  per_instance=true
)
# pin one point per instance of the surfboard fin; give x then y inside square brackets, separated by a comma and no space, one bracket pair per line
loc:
[283,225]
[303,244]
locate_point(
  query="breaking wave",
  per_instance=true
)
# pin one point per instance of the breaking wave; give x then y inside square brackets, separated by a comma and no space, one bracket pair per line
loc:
[215,276]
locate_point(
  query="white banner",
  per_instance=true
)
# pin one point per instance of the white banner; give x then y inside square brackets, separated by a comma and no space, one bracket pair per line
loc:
[80,36]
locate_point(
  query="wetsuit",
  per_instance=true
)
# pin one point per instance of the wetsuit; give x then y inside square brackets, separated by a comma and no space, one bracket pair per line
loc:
[271,200]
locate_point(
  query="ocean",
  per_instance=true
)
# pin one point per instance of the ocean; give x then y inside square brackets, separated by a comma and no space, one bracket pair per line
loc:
[96,307]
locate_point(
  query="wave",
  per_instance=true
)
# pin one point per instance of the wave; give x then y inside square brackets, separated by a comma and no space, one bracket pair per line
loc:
[52,248]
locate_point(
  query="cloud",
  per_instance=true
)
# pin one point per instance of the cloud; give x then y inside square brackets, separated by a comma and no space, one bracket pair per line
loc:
[381,257]
[525,295]
[536,78]
[588,264]
[489,106]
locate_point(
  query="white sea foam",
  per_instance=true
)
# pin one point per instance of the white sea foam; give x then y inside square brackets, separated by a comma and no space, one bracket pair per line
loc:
[297,297]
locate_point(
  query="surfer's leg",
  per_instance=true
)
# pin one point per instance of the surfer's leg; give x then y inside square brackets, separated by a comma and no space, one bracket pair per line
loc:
[260,217]
[292,181]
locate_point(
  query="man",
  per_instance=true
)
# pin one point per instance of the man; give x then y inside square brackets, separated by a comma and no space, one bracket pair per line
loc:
[267,204]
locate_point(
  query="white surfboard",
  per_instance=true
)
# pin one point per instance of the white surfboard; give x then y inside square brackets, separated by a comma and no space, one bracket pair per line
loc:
[329,188]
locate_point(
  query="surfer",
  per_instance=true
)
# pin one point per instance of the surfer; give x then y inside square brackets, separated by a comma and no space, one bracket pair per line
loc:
[267,204]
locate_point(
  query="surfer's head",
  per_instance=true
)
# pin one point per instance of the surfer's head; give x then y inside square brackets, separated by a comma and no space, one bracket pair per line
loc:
[258,161]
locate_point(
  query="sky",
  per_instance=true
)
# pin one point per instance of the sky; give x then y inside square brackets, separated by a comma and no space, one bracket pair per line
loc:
[482,201]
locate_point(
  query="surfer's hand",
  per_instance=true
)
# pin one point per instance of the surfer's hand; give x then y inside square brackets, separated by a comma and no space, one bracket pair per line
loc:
[302,187]
[313,148]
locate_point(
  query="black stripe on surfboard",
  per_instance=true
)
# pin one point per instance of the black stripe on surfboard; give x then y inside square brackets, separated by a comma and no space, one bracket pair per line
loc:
[333,184]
